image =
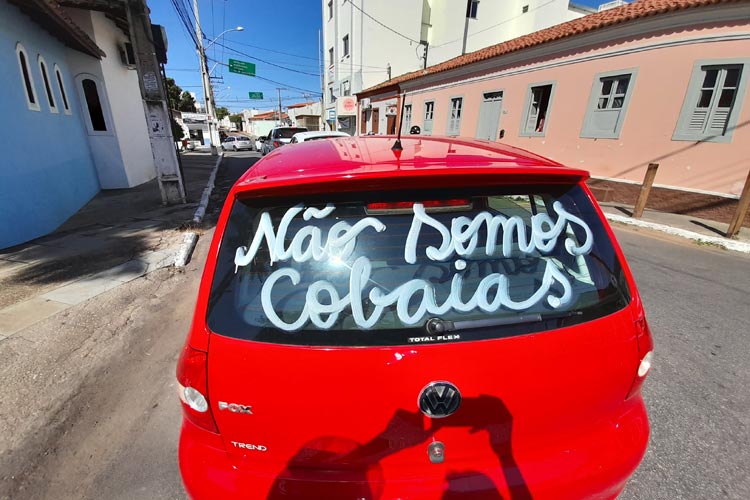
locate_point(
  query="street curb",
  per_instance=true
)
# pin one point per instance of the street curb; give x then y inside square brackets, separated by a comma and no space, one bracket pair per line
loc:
[737,246]
[183,254]
[200,212]
[182,257]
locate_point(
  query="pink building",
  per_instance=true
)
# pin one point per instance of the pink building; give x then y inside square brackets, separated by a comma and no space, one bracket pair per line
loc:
[662,81]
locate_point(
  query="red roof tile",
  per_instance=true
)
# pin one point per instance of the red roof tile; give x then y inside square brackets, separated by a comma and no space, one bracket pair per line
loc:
[626,13]
[53,18]
[300,105]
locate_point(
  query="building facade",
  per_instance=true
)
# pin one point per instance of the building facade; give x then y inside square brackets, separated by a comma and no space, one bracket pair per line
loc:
[305,114]
[366,43]
[650,82]
[78,117]
[119,143]
[48,171]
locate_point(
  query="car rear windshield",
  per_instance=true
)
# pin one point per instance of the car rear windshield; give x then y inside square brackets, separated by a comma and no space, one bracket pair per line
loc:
[413,267]
[287,133]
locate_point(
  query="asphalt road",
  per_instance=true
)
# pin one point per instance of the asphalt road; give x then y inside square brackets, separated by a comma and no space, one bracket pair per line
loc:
[123,444]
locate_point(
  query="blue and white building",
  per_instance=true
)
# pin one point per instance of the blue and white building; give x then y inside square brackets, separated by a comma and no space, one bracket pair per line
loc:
[73,118]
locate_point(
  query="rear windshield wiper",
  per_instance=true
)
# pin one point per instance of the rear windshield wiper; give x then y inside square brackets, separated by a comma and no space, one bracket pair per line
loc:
[438,326]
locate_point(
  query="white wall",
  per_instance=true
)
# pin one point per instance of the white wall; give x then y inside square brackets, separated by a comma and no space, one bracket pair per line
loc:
[371,46]
[105,148]
[308,110]
[126,104]
[496,22]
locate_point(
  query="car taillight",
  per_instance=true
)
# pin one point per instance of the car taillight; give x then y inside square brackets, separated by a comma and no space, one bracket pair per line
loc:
[429,205]
[276,144]
[645,354]
[192,378]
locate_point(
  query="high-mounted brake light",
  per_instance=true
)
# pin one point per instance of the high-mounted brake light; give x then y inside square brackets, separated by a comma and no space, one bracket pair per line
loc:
[429,205]
[192,378]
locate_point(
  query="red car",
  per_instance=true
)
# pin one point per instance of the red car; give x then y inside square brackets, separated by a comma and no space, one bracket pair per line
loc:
[450,320]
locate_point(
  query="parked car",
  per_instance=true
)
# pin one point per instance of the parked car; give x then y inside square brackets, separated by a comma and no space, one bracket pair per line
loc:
[315,135]
[237,143]
[278,136]
[259,143]
[452,319]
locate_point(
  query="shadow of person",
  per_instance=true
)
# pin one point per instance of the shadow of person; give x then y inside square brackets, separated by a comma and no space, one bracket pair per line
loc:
[334,467]
[470,485]
[489,414]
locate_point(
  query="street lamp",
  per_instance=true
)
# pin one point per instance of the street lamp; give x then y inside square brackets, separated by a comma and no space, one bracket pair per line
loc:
[238,28]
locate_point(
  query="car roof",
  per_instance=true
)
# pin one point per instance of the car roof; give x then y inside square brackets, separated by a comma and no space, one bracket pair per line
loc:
[362,157]
[319,133]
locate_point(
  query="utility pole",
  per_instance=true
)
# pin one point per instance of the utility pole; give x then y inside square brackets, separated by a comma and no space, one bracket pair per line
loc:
[208,95]
[155,103]
[279,90]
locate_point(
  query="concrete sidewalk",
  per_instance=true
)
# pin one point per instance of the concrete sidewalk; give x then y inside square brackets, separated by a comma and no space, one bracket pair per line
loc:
[118,236]
[684,226]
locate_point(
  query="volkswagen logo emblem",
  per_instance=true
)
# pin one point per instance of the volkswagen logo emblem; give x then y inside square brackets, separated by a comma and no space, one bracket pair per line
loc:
[439,399]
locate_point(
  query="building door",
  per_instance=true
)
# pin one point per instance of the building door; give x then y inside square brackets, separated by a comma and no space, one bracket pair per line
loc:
[375,120]
[391,124]
[489,115]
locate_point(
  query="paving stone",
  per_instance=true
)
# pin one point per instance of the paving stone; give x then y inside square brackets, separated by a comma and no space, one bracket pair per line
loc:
[37,253]
[81,290]
[123,273]
[8,268]
[19,316]
[83,244]
[158,258]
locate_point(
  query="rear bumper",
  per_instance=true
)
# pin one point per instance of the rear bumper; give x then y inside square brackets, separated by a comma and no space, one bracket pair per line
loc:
[594,465]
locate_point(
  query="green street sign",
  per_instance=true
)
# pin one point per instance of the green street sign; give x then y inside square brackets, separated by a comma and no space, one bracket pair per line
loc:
[255,95]
[241,67]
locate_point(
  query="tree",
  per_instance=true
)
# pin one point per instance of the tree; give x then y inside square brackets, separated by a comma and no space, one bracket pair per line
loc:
[177,131]
[173,93]
[221,112]
[235,118]
[187,103]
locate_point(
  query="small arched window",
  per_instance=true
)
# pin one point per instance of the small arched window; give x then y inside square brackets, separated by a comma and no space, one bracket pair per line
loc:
[47,85]
[27,79]
[63,92]
[94,105]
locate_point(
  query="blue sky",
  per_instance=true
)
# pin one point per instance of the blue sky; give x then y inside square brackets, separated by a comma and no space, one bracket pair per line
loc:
[281,32]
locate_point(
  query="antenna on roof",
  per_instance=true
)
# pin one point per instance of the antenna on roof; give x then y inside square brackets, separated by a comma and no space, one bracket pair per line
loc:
[397,145]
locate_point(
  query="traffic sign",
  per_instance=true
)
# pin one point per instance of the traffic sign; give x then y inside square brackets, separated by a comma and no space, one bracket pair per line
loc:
[241,67]
[255,95]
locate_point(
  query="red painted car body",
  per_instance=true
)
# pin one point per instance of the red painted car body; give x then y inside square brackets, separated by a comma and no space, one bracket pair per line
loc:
[549,409]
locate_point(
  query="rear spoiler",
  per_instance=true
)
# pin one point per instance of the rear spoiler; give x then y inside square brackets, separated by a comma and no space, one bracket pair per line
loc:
[263,186]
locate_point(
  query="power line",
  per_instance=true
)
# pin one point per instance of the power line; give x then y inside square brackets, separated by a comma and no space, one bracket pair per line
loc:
[293,55]
[307,91]
[317,93]
[383,25]
[286,68]
[494,25]
[184,21]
